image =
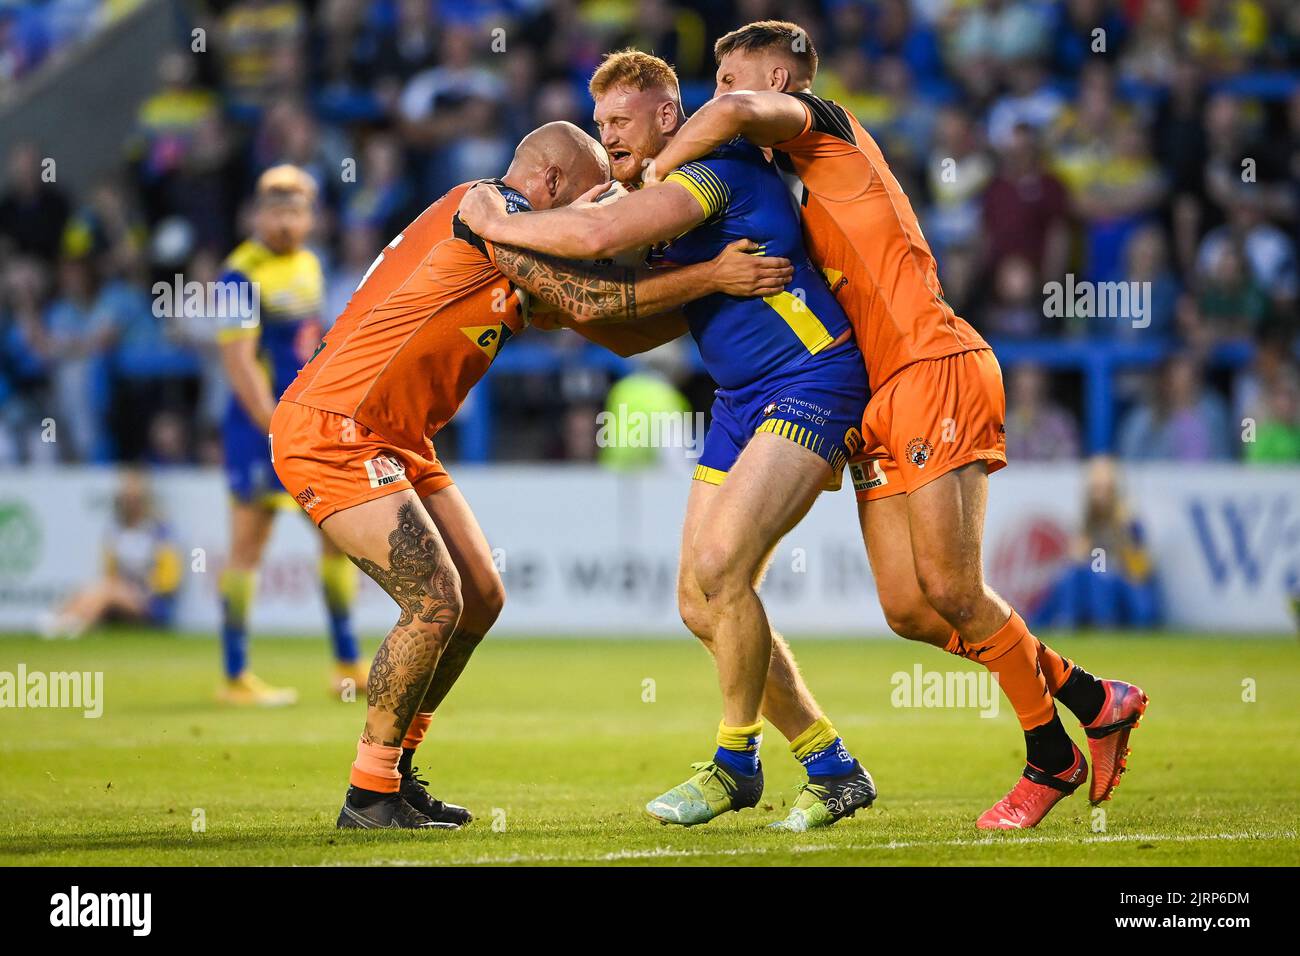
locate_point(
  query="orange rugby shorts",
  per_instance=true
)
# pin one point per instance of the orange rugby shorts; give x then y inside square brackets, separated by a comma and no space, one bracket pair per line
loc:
[931,417]
[329,462]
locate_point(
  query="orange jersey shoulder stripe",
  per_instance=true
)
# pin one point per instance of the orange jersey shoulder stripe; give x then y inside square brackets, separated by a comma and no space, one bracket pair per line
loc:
[420,330]
[860,228]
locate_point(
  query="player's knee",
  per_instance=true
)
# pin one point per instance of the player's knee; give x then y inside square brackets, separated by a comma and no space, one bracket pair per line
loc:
[444,604]
[482,608]
[695,614]
[910,620]
[957,601]
[494,601]
[716,570]
[454,602]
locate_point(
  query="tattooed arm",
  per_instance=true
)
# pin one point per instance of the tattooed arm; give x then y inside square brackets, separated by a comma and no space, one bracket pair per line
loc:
[594,294]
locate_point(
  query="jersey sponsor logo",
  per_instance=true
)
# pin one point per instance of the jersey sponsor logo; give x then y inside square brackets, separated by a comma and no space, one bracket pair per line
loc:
[489,338]
[919,451]
[867,475]
[384,470]
[515,200]
[308,498]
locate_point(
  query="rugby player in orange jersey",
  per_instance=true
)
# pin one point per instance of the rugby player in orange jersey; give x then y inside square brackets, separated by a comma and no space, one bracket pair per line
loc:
[351,438]
[934,426]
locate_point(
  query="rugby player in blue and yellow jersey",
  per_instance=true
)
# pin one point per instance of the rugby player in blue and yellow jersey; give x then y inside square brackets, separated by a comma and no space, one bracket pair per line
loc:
[278,289]
[786,417]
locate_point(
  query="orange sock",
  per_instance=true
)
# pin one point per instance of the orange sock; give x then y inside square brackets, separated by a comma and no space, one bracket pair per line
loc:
[376,768]
[415,733]
[1012,654]
[1056,669]
[955,646]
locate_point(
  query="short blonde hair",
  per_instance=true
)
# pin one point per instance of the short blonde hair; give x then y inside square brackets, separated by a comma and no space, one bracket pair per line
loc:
[637,70]
[286,181]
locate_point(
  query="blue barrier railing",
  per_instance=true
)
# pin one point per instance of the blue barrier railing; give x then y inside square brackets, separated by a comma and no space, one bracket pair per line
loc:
[1098,362]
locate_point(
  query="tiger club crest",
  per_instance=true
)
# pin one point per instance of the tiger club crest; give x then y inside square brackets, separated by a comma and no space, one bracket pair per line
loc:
[919,451]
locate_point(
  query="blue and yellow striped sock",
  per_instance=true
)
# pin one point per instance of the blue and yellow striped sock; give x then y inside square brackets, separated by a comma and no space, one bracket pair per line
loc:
[338,576]
[738,748]
[821,751]
[236,589]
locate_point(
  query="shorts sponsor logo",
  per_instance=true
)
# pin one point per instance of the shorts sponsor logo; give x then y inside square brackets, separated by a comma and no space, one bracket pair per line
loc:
[919,451]
[384,471]
[852,441]
[791,407]
[308,498]
[867,475]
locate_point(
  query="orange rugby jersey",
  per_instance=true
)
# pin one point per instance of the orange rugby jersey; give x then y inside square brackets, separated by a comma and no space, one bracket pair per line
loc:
[421,328]
[860,228]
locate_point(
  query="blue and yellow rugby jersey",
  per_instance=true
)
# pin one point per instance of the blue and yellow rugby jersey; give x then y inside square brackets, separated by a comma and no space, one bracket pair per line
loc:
[743,340]
[289,291]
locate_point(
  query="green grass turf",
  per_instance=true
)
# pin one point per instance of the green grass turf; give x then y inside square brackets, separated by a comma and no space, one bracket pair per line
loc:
[553,740]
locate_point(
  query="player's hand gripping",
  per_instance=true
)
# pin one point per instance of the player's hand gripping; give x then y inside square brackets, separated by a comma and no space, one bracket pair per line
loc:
[549,320]
[480,207]
[737,271]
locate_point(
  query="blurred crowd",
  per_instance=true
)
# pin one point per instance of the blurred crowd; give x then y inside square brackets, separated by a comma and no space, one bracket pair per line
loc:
[1144,141]
[40,33]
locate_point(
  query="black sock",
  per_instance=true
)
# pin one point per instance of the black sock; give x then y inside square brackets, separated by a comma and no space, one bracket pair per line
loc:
[362,798]
[1083,694]
[408,753]
[1048,747]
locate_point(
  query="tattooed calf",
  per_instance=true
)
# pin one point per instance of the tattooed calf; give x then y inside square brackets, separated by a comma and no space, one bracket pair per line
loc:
[420,580]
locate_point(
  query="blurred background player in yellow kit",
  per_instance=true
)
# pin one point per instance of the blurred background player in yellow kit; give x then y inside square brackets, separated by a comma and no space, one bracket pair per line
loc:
[275,287]
[141,570]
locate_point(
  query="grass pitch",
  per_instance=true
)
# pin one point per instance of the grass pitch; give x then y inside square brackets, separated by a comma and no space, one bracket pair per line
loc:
[555,747]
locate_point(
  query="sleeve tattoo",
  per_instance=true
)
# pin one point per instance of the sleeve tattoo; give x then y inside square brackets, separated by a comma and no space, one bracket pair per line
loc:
[584,291]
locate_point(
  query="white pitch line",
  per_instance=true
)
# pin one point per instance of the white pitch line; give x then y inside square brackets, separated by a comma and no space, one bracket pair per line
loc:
[659,853]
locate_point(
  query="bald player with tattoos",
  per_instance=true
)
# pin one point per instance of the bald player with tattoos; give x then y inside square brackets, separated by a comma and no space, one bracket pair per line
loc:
[352,437]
